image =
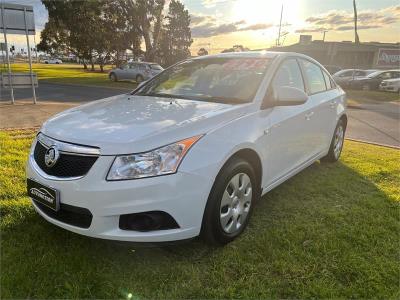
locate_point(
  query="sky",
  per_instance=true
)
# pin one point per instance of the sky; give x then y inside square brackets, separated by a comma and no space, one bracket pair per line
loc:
[220,24]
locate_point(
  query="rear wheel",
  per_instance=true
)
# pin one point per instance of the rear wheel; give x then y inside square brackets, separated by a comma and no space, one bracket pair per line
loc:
[230,203]
[113,77]
[139,78]
[337,143]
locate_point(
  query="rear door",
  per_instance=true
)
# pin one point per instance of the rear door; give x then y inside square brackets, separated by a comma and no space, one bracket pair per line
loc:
[323,95]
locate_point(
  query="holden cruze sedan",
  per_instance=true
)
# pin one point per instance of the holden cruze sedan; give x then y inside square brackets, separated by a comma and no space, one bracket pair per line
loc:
[189,152]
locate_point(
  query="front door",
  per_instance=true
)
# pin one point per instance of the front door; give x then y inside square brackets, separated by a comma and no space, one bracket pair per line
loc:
[287,135]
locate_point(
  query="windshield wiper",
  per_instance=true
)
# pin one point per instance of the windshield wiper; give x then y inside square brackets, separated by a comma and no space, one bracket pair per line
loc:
[169,96]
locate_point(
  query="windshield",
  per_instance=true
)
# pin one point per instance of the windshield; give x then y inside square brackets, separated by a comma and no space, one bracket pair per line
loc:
[368,72]
[374,74]
[225,80]
[156,67]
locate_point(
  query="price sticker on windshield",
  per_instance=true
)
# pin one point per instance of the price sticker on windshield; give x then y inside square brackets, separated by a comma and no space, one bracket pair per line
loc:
[251,64]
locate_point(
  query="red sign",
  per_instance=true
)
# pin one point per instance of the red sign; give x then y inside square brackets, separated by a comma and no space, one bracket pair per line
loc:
[389,58]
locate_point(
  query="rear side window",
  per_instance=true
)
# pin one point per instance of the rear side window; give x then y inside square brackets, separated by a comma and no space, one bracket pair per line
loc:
[346,74]
[289,74]
[327,81]
[315,78]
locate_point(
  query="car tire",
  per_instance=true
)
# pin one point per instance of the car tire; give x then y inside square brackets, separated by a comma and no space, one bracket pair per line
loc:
[230,203]
[139,78]
[336,146]
[113,77]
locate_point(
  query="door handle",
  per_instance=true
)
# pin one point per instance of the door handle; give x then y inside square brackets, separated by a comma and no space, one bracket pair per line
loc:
[309,115]
[332,104]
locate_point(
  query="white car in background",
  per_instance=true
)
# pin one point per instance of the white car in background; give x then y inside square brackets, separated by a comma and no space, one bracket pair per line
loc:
[390,85]
[189,152]
[55,61]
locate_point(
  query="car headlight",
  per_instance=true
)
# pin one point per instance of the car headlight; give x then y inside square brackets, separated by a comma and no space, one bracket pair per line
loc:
[161,161]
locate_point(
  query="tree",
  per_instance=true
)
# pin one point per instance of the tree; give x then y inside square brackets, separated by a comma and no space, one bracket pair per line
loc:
[236,48]
[73,24]
[202,52]
[176,37]
[356,37]
[99,30]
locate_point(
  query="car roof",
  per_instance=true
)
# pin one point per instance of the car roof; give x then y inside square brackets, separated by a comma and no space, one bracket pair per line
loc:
[245,54]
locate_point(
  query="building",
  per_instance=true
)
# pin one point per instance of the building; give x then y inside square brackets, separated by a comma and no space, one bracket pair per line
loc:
[371,55]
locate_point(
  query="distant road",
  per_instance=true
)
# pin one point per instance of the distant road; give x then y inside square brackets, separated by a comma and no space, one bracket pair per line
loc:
[377,123]
[62,93]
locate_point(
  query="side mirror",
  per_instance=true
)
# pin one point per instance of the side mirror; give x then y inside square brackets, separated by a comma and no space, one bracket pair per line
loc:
[288,96]
[284,96]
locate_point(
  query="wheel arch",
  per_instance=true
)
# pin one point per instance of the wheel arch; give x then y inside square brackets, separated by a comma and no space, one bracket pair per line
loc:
[252,157]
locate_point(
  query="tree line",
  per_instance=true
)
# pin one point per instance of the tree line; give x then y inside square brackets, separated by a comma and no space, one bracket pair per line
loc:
[99,31]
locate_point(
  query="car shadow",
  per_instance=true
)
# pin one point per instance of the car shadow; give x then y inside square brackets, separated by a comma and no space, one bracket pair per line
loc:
[302,217]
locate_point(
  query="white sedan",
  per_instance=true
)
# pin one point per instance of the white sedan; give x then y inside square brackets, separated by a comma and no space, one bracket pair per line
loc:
[54,61]
[188,153]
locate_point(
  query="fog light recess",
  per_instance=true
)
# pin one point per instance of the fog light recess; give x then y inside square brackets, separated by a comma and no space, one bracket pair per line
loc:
[147,221]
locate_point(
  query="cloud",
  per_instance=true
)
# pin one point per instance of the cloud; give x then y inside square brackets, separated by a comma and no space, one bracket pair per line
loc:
[207,26]
[196,19]
[343,21]
[211,29]
[212,3]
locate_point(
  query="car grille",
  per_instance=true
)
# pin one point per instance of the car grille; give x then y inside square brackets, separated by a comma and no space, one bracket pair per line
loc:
[68,214]
[67,165]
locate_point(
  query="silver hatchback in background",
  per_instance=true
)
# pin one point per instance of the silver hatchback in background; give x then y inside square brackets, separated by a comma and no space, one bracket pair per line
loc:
[138,71]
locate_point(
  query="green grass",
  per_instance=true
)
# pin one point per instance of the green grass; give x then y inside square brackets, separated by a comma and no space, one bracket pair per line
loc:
[71,74]
[330,232]
[356,97]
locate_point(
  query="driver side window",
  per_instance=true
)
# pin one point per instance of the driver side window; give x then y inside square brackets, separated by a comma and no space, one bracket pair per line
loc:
[289,74]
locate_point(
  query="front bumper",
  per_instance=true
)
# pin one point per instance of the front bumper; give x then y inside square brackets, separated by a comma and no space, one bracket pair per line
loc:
[181,195]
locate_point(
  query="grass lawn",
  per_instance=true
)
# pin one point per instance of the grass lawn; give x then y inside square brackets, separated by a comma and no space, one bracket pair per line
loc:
[330,232]
[71,74]
[356,97]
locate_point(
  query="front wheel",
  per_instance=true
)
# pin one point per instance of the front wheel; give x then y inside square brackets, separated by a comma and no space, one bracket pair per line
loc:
[139,78]
[113,77]
[336,146]
[230,203]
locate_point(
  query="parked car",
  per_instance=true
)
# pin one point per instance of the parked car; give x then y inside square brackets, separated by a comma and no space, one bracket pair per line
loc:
[55,61]
[332,69]
[390,85]
[189,152]
[344,77]
[373,80]
[138,71]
